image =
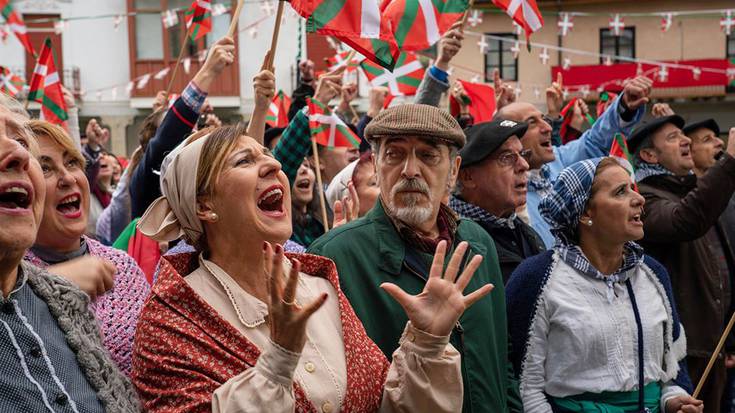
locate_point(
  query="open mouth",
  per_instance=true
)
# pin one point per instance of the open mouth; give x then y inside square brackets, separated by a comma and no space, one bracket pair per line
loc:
[521,186]
[636,219]
[16,197]
[270,201]
[70,206]
[303,183]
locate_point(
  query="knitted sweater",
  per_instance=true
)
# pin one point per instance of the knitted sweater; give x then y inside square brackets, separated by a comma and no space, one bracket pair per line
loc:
[69,306]
[117,310]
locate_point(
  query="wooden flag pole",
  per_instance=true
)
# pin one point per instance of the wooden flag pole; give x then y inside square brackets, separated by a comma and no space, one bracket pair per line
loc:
[714,356]
[320,186]
[276,30]
[235,18]
[178,62]
[467,13]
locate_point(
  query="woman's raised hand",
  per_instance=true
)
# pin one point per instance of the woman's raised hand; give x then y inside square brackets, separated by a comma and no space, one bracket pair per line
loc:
[287,318]
[438,307]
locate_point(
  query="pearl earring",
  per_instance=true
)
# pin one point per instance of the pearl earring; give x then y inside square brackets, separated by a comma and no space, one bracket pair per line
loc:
[589,223]
[213,216]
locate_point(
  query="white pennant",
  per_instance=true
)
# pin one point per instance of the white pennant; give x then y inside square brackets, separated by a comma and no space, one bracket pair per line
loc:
[143,80]
[162,73]
[186,63]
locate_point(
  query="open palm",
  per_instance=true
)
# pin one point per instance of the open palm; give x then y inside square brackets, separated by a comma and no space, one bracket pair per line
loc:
[438,307]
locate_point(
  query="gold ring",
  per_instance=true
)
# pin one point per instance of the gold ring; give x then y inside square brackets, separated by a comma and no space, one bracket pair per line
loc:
[288,303]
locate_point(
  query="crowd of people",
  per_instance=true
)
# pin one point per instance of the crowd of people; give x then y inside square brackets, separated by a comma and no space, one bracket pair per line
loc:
[508,265]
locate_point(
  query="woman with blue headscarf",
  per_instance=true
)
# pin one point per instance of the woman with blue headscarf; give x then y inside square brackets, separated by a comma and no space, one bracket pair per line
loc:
[593,323]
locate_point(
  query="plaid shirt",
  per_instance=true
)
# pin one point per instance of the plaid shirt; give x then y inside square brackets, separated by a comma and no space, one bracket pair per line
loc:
[294,145]
[477,214]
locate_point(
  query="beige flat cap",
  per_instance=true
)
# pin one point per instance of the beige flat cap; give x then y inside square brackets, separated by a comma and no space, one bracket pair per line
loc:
[426,121]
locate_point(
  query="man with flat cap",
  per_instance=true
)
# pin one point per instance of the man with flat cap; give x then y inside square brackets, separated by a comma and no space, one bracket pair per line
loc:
[492,185]
[415,153]
[681,231]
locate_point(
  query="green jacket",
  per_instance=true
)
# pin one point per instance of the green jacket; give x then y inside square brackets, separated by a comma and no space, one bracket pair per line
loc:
[369,251]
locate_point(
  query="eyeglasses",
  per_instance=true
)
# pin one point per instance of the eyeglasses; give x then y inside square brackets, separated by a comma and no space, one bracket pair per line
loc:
[511,158]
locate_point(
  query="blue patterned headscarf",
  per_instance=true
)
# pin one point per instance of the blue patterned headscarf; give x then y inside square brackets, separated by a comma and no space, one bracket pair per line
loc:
[565,203]
[562,209]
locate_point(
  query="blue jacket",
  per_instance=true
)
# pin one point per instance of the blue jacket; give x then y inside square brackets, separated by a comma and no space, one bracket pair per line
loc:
[594,143]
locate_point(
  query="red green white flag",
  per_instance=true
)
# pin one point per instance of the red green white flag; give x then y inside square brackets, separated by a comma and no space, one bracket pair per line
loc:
[46,87]
[419,24]
[358,23]
[524,12]
[10,83]
[327,129]
[277,116]
[403,80]
[17,25]
[340,59]
[198,19]
[619,151]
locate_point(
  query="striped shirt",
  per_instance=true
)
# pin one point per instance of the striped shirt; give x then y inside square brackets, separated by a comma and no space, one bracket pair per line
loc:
[40,372]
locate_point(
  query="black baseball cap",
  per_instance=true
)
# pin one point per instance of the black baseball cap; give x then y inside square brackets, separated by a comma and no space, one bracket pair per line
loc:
[707,123]
[648,127]
[485,138]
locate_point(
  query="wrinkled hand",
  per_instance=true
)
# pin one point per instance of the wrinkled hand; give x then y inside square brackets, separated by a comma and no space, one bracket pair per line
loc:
[684,404]
[306,69]
[287,318]
[460,95]
[220,55]
[636,92]
[555,97]
[659,110]
[93,275]
[264,86]
[438,307]
[377,100]
[347,209]
[504,94]
[69,100]
[449,45]
[578,116]
[96,136]
[329,86]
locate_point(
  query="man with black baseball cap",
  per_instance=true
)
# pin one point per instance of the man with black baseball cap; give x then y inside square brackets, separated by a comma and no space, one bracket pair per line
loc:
[681,228]
[492,184]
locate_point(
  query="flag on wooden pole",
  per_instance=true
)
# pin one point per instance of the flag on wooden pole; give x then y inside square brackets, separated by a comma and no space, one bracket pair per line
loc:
[327,129]
[17,26]
[10,83]
[46,87]
[277,116]
[198,19]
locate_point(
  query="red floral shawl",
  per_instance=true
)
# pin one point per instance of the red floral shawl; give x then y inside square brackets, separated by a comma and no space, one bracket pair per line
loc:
[184,350]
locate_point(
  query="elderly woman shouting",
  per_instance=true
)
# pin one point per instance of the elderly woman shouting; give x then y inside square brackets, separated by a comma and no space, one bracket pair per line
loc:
[237,327]
[61,244]
[593,323]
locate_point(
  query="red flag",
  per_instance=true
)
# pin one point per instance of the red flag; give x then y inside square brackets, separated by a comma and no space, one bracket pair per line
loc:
[277,115]
[619,150]
[566,113]
[482,101]
[525,13]
[404,79]
[327,129]
[200,15]
[358,23]
[46,87]
[9,83]
[419,24]
[17,25]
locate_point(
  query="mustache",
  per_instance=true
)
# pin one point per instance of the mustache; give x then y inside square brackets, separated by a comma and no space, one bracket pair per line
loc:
[411,185]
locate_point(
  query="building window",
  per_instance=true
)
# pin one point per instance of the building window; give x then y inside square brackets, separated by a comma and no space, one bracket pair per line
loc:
[623,45]
[731,46]
[499,56]
[153,42]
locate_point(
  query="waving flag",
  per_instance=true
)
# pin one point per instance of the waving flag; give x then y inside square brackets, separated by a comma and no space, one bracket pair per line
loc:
[327,129]
[16,25]
[277,115]
[357,23]
[619,150]
[340,59]
[198,19]
[482,101]
[46,87]
[418,24]
[523,12]
[403,80]
[9,83]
